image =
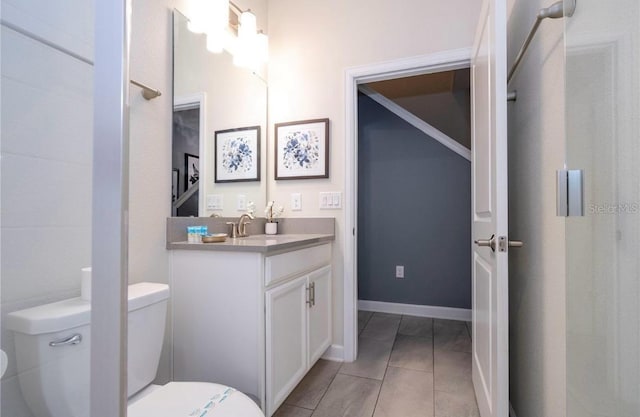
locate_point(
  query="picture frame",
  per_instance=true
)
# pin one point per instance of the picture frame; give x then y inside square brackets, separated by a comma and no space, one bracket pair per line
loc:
[191,170]
[237,155]
[302,149]
[175,184]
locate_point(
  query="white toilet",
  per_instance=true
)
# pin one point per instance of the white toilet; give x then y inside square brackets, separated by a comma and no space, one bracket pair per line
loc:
[52,348]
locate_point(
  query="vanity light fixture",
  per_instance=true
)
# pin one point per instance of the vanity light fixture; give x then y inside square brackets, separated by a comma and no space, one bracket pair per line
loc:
[249,48]
[200,13]
[218,24]
[252,47]
[245,50]
[248,25]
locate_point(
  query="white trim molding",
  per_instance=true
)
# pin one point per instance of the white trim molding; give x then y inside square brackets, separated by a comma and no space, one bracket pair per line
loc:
[334,353]
[435,312]
[417,122]
[426,64]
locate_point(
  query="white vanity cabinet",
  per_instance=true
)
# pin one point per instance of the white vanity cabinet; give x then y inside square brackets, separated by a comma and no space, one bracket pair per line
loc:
[253,320]
[298,331]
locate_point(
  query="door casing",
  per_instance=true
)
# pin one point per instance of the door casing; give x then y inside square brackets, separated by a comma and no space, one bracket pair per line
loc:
[426,64]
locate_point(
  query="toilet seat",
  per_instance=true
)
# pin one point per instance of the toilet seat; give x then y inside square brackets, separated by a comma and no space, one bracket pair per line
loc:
[197,399]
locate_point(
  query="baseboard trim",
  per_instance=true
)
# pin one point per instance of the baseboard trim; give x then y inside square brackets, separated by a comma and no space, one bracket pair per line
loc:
[334,353]
[436,312]
[512,412]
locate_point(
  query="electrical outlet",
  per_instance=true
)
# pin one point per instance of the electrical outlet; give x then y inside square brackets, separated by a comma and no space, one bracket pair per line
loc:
[296,202]
[399,271]
[242,202]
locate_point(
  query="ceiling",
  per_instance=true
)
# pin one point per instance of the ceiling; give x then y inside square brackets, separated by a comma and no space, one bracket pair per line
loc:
[441,99]
[419,85]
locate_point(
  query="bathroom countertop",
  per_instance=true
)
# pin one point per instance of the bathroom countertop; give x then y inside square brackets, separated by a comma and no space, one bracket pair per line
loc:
[266,244]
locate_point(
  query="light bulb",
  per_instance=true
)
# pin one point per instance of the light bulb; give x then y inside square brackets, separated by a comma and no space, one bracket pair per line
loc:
[248,25]
[219,15]
[215,41]
[199,16]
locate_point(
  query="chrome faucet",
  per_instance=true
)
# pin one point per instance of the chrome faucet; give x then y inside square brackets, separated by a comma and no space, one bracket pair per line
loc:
[242,224]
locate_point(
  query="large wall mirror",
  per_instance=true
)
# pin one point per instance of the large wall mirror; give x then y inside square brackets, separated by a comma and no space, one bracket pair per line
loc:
[219,130]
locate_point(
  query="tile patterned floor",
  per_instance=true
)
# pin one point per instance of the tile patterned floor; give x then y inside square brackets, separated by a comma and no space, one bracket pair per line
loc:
[407,367]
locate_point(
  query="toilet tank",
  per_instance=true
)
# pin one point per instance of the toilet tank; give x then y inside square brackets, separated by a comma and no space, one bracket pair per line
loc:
[55,380]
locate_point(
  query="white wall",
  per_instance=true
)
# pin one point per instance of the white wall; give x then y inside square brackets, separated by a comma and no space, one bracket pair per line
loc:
[311,44]
[537,272]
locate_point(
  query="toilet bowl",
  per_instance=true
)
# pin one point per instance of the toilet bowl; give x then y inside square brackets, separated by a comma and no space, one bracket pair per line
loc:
[194,399]
[52,352]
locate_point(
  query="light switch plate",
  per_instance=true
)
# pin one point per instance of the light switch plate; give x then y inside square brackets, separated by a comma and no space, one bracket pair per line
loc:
[331,200]
[296,202]
[215,202]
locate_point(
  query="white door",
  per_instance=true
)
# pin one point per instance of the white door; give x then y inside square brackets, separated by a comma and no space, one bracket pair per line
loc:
[489,187]
[319,313]
[286,339]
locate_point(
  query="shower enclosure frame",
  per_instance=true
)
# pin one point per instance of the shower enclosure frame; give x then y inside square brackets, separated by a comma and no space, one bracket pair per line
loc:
[110,201]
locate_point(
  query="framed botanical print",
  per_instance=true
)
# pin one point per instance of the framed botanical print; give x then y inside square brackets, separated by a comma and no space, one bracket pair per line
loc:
[237,154]
[302,149]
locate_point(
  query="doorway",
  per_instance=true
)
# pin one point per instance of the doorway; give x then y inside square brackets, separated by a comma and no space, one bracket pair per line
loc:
[187,148]
[355,78]
[413,184]
[414,195]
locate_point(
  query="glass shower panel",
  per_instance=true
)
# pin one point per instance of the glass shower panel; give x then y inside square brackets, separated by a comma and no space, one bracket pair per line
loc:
[46,184]
[603,247]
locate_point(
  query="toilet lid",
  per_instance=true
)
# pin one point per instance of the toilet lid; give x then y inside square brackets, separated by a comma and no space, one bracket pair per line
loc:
[194,399]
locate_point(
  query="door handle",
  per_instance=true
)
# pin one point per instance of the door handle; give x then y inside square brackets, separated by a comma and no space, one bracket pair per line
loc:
[503,243]
[490,243]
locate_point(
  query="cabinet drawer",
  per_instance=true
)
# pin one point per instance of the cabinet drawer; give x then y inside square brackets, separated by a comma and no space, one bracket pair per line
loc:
[285,265]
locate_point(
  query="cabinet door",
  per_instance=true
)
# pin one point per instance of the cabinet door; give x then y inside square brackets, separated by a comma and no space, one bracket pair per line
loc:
[286,340]
[320,313]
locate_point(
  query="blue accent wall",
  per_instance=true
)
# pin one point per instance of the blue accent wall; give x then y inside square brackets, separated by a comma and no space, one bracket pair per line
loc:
[414,209]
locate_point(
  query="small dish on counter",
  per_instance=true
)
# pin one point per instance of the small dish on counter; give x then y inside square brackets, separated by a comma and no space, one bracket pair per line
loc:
[214,238]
